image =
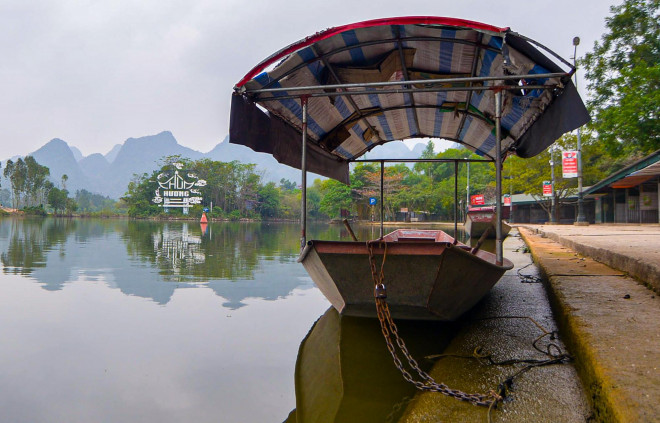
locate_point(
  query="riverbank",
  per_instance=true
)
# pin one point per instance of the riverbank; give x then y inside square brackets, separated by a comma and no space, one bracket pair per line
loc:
[609,320]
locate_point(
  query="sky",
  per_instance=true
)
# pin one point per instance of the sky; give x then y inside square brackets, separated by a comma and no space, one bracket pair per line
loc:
[95,73]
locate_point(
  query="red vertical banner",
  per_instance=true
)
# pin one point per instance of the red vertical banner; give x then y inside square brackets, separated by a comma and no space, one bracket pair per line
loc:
[569,164]
[507,200]
[547,189]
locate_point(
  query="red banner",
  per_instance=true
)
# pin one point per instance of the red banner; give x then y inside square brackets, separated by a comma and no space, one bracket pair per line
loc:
[477,200]
[547,189]
[507,200]
[569,164]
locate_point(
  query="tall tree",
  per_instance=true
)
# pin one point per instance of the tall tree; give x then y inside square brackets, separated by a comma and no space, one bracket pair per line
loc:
[623,71]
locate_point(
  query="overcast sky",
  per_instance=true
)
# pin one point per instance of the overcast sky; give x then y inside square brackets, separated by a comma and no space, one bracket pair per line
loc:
[94,73]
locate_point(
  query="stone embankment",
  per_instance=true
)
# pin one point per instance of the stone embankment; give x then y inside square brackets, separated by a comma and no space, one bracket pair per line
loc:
[609,320]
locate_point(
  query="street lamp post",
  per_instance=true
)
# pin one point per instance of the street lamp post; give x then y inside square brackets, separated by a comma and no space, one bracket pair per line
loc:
[552,177]
[581,219]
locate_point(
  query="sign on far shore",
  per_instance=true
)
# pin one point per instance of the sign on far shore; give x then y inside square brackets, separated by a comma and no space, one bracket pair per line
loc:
[176,191]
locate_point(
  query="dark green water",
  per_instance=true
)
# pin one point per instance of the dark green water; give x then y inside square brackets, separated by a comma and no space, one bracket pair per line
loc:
[114,320]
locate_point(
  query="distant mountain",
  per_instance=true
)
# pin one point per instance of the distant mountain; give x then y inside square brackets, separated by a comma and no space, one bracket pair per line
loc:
[110,174]
[58,157]
[95,167]
[273,171]
[418,149]
[392,150]
[140,155]
[111,155]
[77,154]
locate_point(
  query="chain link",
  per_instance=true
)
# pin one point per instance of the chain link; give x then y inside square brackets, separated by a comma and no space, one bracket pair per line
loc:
[390,330]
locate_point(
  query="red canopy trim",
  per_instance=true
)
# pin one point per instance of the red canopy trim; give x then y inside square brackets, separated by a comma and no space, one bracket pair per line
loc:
[407,20]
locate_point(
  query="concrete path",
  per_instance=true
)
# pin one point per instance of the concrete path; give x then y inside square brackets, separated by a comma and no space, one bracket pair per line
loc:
[609,321]
[633,249]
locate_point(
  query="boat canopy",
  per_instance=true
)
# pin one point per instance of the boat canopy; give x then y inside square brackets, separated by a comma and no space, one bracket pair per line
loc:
[372,82]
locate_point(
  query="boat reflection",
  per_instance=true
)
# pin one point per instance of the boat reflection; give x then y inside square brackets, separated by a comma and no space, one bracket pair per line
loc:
[344,372]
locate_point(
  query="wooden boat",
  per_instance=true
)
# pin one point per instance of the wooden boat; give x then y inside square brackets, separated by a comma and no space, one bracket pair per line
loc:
[428,274]
[478,220]
[323,102]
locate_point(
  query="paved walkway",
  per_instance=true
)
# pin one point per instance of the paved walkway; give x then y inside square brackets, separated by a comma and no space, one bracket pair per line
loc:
[633,249]
[609,321]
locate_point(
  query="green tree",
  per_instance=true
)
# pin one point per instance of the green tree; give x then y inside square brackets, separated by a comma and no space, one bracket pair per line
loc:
[623,71]
[57,198]
[287,185]
[36,181]
[269,200]
[335,197]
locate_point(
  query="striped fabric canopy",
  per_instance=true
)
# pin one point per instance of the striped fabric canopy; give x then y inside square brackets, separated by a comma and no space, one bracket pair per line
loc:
[343,127]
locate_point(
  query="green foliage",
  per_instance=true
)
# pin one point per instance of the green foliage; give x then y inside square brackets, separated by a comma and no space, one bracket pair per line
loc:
[269,200]
[234,189]
[5,197]
[29,181]
[286,185]
[91,203]
[57,199]
[35,211]
[335,196]
[623,71]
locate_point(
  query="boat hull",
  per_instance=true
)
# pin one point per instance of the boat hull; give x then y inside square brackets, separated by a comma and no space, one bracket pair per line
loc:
[477,223]
[425,280]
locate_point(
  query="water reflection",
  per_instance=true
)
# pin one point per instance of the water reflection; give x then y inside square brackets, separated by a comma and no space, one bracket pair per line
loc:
[344,372]
[149,321]
[153,259]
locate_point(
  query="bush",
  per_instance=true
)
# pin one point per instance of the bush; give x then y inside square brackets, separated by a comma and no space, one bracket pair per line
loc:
[235,215]
[35,211]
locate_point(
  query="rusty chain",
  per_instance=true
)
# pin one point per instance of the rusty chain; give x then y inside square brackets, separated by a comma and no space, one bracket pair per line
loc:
[390,330]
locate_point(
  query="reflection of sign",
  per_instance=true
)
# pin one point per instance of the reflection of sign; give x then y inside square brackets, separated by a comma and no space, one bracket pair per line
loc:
[569,164]
[179,248]
[507,200]
[547,189]
[477,200]
[175,191]
[373,201]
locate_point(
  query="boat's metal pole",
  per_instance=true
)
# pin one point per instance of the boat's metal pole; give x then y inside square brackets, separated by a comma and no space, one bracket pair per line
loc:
[303,167]
[467,188]
[498,176]
[455,200]
[382,204]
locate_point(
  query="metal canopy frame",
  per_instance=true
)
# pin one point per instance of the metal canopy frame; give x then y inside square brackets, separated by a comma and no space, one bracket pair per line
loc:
[556,80]
[305,93]
[382,173]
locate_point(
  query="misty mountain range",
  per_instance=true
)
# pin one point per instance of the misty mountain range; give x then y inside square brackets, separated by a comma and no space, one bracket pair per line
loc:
[110,174]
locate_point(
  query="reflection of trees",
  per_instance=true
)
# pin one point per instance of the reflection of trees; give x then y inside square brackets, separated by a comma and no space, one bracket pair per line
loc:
[235,260]
[30,241]
[227,251]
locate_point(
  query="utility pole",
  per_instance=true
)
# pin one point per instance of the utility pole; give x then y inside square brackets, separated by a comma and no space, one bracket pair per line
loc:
[467,189]
[553,209]
[581,219]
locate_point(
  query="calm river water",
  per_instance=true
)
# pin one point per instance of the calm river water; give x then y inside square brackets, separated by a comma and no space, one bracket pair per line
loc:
[125,321]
